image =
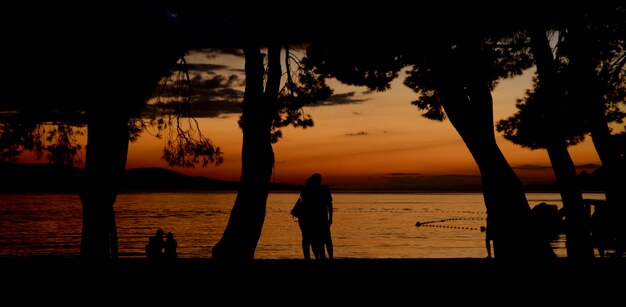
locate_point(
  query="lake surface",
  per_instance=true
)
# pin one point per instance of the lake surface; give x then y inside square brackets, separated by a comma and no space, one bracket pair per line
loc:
[366,225]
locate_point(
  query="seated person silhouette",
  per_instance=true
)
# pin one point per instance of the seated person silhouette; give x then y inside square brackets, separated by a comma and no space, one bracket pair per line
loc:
[170,247]
[154,249]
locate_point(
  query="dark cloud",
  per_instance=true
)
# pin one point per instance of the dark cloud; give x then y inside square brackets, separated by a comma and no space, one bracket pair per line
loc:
[205,67]
[216,94]
[232,51]
[357,133]
[196,68]
[215,108]
[212,53]
[343,98]
[217,81]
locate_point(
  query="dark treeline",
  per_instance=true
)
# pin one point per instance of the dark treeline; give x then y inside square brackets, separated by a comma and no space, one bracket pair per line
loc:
[98,66]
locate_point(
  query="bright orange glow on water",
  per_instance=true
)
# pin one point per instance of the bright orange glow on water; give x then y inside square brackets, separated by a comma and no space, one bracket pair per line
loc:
[366,225]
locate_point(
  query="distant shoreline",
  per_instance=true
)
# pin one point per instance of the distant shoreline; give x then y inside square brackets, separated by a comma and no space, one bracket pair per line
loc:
[47,178]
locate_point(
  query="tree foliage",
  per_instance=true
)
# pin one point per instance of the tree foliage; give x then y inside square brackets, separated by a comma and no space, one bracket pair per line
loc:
[15,137]
[45,134]
[373,66]
[302,87]
[536,125]
[540,119]
[501,56]
[171,115]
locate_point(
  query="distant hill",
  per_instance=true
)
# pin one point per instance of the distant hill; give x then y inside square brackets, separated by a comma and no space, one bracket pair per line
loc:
[589,182]
[593,181]
[52,178]
[160,179]
[39,178]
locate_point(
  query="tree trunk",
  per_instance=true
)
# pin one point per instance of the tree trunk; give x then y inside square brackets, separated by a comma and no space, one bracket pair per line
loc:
[122,87]
[242,233]
[577,219]
[588,92]
[107,149]
[577,227]
[469,107]
[615,181]
[507,208]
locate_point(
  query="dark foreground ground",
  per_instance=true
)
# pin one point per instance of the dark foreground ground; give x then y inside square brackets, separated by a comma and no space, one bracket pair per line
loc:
[296,282]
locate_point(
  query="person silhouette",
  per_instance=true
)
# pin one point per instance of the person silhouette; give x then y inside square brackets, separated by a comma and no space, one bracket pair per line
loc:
[489,229]
[154,249]
[170,247]
[488,240]
[316,218]
[602,234]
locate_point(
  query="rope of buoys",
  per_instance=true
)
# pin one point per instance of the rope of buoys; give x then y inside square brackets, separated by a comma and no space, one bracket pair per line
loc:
[418,224]
[452,227]
[430,223]
[459,211]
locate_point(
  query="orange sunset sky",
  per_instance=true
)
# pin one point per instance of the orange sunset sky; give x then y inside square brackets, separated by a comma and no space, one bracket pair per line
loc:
[377,140]
[365,140]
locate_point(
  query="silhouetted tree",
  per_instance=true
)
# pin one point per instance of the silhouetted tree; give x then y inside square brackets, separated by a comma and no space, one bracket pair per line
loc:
[248,214]
[595,49]
[268,105]
[111,128]
[105,79]
[50,133]
[16,136]
[545,120]
[458,80]
[454,74]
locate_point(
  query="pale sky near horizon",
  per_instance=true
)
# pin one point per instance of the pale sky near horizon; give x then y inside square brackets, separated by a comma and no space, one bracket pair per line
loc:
[377,140]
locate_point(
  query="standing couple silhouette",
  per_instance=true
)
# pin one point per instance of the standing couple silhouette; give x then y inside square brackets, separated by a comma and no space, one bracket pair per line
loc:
[315,218]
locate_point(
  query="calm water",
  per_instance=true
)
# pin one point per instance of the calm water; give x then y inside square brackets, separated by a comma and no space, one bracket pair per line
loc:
[366,225]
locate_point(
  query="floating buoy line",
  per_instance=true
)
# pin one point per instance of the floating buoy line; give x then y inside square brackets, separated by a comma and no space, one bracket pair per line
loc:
[434,223]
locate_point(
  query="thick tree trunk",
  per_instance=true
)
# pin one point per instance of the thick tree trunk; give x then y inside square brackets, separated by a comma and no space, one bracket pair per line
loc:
[238,244]
[470,111]
[468,104]
[577,219]
[615,181]
[130,66]
[107,149]
[577,227]
[588,92]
